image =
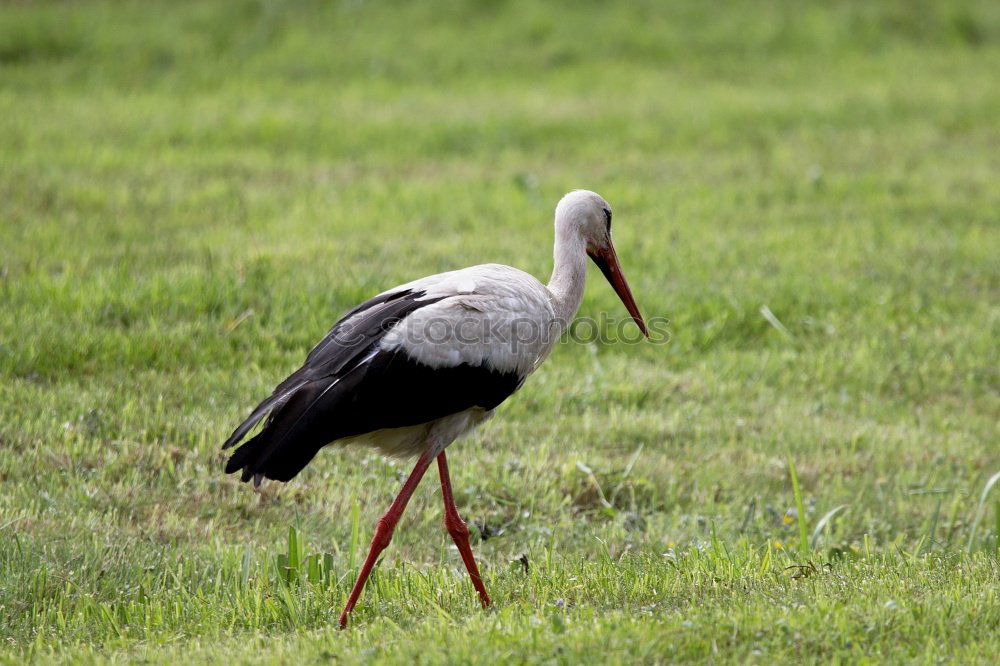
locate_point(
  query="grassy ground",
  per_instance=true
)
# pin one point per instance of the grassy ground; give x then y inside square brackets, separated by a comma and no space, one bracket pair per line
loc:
[190,193]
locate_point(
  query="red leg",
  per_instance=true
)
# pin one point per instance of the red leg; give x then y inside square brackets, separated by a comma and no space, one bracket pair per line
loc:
[383,531]
[459,531]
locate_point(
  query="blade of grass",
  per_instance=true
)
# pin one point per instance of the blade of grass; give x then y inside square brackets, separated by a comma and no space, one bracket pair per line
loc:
[979,510]
[800,508]
[293,554]
[775,322]
[355,536]
[932,530]
[996,528]
[628,470]
[826,519]
[583,467]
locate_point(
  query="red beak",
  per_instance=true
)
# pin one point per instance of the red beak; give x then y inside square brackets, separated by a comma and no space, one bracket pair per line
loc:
[607,261]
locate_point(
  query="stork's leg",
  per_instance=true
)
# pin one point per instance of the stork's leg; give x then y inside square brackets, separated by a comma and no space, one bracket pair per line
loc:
[384,528]
[459,531]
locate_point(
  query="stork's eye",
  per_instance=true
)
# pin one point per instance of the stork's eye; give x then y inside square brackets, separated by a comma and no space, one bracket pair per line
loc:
[607,218]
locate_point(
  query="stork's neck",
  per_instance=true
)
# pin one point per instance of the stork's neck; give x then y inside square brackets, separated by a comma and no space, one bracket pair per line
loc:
[568,275]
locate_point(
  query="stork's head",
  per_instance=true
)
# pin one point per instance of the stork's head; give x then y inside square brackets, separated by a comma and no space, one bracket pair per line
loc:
[586,216]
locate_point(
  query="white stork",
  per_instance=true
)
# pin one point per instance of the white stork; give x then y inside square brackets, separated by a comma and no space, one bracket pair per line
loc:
[414,368]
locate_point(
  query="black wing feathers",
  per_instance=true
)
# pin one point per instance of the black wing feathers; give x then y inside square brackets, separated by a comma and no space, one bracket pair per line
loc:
[348,387]
[343,344]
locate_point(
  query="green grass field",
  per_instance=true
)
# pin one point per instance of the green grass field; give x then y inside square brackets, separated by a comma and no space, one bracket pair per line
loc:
[191,193]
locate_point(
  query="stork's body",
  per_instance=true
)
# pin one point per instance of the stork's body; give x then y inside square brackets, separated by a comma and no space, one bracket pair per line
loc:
[414,368]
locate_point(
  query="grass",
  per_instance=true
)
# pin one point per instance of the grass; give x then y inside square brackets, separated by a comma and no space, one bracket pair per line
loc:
[191,192]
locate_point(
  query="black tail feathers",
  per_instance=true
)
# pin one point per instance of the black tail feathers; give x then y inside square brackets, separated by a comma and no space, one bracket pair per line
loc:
[286,443]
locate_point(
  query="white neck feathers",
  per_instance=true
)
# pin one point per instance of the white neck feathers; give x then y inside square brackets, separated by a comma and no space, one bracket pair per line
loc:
[569,274]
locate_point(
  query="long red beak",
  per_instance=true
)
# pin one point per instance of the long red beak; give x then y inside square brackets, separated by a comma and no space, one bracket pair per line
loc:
[607,261]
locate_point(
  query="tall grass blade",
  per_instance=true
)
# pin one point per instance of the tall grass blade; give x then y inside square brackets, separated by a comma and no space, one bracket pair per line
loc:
[823,522]
[932,530]
[293,554]
[996,528]
[352,554]
[979,511]
[327,567]
[775,322]
[628,470]
[799,508]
